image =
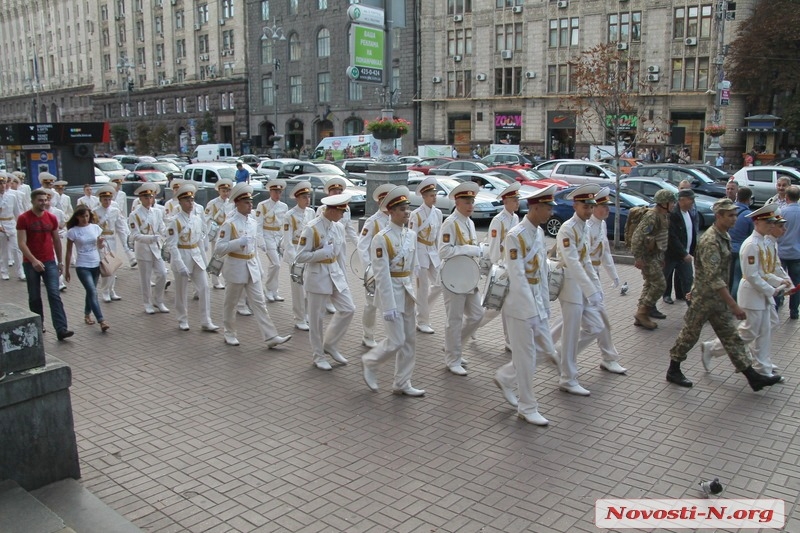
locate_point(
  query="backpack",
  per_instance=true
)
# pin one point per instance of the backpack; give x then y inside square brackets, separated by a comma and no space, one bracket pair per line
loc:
[634,217]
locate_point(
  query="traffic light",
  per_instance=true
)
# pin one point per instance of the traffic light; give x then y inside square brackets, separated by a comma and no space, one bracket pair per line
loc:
[130,86]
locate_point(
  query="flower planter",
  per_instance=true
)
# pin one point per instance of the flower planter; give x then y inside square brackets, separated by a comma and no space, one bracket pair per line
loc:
[382,135]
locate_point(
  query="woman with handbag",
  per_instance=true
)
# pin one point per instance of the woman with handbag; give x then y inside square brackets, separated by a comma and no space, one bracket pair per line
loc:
[87,238]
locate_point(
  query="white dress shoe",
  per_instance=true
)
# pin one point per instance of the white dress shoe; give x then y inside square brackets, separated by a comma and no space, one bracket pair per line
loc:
[61,287]
[219,285]
[278,297]
[369,343]
[4,276]
[244,311]
[133,263]
[574,389]
[369,377]
[335,355]
[409,391]
[149,309]
[458,370]
[209,327]
[276,340]
[534,418]
[425,328]
[705,355]
[270,297]
[183,326]
[613,367]
[302,326]
[162,308]
[231,340]
[115,297]
[464,362]
[107,299]
[508,394]
[322,364]
[330,309]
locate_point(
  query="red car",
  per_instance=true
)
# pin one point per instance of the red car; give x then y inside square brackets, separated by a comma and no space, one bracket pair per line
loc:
[428,163]
[527,176]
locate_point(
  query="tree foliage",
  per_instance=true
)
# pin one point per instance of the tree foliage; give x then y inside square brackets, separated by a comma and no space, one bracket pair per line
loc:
[120,135]
[143,139]
[161,140]
[763,61]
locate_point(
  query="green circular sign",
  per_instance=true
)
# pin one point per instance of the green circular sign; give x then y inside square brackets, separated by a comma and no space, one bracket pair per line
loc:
[357,13]
[354,73]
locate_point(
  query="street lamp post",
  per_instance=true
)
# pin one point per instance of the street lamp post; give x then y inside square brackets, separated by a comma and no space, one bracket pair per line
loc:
[275,33]
[124,66]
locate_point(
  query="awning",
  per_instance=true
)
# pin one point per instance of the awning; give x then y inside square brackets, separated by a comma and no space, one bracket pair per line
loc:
[761,130]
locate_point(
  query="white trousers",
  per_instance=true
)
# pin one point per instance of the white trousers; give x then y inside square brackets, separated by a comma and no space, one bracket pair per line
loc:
[368,317]
[200,281]
[10,252]
[152,267]
[255,296]
[604,341]
[756,333]
[491,314]
[298,303]
[273,269]
[573,336]
[105,287]
[464,314]
[337,329]
[400,342]
[526,341]
[428,290]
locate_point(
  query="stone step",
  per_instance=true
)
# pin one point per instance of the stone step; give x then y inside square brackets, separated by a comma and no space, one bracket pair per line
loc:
[80,509]
[20,512]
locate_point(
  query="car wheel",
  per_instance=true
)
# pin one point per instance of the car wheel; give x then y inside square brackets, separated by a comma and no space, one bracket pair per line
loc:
[552,226]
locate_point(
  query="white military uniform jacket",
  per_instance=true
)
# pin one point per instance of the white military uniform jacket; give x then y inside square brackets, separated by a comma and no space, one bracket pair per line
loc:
[147,230]
[10,209]
[458,237]
[375,223]
[349,230]
[599,249]
[66,205]
[241,263]
[426,221]
[323,271]
[185,237]
[55,200]
[498,229]
[525,256]
[122,202]
[580,277]
[112,223]
[92,202]
[270,215]
[761,272]
[296,219]
[217,210]
[394,255]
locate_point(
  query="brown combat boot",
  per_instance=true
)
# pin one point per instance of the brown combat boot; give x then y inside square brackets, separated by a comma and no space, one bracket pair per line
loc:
[642,318]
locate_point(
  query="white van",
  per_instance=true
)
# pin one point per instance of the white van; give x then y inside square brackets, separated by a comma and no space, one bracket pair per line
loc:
[211,152]
[335,148]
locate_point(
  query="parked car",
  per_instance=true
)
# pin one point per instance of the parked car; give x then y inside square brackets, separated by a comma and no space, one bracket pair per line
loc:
[793,162]
[357,165]
[292,169]
[100,176]
[250,159]
[145,176]
[763,180]
[130,161]
[625,163]
[409,160]
[207,174]
[163,166]
[180,162]
[650,186]
[110,167]
[496,184]
[580,172]
[546,167]
[270,167]
[454,167]
[358,195]
[716,174]
[563,210]
[486,204]
[493,160]
[428,163]
[675,174]
[526,176]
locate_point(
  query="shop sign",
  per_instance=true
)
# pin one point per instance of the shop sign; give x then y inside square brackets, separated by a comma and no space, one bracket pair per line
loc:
[508,122]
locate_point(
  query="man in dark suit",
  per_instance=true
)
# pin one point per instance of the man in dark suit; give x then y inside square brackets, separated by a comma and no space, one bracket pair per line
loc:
[680,247]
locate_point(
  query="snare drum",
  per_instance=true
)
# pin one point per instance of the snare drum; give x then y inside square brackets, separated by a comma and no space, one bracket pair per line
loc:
[214,266]
[213,231]
[130,241]
[496,289]
[296,272]
[555,278]
[460,274]
[485,262]
[165,254]
[369,281]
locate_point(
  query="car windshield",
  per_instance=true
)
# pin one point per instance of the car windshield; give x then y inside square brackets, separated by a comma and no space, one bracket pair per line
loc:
[347,182]
[226,173]
[634,198]
[110,165]
[152,175]
[331,169]
[505,179]
[713,172]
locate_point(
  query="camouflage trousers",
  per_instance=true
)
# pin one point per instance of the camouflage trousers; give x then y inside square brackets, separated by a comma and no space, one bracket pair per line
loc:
[654,283]
[710,308]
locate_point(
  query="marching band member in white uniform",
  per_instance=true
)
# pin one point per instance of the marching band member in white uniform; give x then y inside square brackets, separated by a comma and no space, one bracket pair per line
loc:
[238,241]
[323,250]
[114,229]
[527,306]
[464,311]
[66,201]
[337,185]
[121,199]
[581,298]
[16,180]
[376,222]
[296,219]
[172,206]
[393,252]
[425,221]
[217,210]
[270,214]
[600,254]
[186,243]
[10,209]
[88,199]
[147,232]
[47,180]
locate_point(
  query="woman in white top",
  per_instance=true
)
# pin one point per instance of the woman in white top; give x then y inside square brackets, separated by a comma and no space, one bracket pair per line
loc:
[86,237]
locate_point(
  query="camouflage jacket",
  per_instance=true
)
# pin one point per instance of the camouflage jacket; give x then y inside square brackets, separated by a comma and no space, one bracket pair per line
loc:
[712,262]
[650,238]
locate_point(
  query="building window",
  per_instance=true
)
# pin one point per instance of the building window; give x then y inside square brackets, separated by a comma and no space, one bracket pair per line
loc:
[354,91]
[230,100]
[264,9]
[295,50]
[508,36]
[694,21]
[353,126]
[324,86]
[266,51]
[507,81]
[296,89]
[293,6]
[324,43]
[223,101]
[624,27]
[179,19]
[202,14]
[558,80]
[395,85]
[227,40]
[705,21]
[202,44]
[564,32]
[459,7]
[322,4]
[227,9]
[180,48]
[500,4]
[459,42]
[459,84]
[690,74]
[677,74]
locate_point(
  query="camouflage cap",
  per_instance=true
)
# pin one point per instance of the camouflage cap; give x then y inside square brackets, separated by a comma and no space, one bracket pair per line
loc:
[664,197]
[723,204]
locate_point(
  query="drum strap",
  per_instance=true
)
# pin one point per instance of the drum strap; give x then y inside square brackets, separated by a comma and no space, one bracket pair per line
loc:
[583,244]
[424,230]
[460,235]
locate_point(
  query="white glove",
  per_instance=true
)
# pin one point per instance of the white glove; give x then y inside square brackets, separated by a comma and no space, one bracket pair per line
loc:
[262,245]
[616,283]
[391,315]
[183,270]
[241,242]
[327,249]
[535,322]
[148,239]
[595,299]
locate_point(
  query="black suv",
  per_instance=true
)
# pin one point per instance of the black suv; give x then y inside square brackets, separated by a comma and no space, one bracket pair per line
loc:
[675,174]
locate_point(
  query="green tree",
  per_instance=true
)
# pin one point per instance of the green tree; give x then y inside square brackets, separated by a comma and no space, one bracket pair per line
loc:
[208,126]
[160,139]
[143,139]
[120,135]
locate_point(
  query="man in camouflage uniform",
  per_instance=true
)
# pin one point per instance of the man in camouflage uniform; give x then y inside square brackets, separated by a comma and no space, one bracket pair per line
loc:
[648,244]
[711,302]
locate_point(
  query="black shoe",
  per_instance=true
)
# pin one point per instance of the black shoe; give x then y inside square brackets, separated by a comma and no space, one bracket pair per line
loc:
[674,375]
[759,381]
[167,285]
[793,316]
[668,300]
[655,313]
[64,334]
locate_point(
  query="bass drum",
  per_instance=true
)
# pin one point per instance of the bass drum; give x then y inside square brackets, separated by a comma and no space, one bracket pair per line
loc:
[555,278]
[214,266]
[460,274]
[355,265]
[496,289]
[296,272]
[369,281]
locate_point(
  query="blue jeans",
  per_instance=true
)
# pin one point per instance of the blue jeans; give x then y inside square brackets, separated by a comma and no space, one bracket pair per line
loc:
[50,278]
[88,277]
[792,267]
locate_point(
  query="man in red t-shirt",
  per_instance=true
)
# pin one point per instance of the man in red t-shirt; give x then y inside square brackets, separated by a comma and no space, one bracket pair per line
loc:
[37,235]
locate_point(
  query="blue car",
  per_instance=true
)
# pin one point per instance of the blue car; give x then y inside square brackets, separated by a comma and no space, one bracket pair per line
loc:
[563,211]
